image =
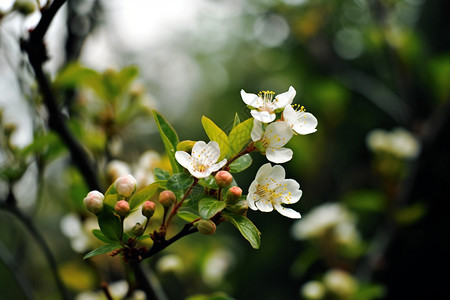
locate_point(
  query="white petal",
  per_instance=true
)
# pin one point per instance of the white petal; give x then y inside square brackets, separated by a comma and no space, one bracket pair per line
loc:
[287,212]
[184,159]
[263,116]
[257,130]
[198,148]
[251,201]
[279,155]
[250,99]
[219,165]
[289,115]
[264,206]
[306,123]
[198,174]
[278,134]
[282,100]
[212,151]
[264,171]
[278,173]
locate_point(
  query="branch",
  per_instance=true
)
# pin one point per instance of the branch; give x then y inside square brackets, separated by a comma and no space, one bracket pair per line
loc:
[37,55]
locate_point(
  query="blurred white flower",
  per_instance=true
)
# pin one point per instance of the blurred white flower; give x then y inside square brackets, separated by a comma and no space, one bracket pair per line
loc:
[118,290]
[170,263]
[216,266]
[273,139]
[144,169]
[79,233]
[399,142]
[325,219]
[203,159]
[117,168]
[340,283]
[313,290]
[265,106]
[270,190]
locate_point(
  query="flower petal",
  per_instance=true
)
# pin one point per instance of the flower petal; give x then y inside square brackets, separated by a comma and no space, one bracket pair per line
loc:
[278,173]
[263,116]
[263,172]
[250,99]
[251,198]
[211,152]
[278,134]
[287,212]
[264,205]
[279,155]
[184,159]
[197,149]
[282,100]
[306,123]
[217,166]
[257,130]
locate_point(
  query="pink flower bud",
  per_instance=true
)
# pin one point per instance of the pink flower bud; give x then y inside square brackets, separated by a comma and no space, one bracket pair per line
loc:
[167,198]
[148,209]
[206,227]
[94,202]
[125,185]
[223,179]
[122,208]
[233,194]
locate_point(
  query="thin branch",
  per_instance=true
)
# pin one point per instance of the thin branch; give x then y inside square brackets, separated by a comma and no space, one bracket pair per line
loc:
[37,55]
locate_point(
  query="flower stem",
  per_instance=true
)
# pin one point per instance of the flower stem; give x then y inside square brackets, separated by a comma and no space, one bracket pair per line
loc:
[250,148]
[177,206]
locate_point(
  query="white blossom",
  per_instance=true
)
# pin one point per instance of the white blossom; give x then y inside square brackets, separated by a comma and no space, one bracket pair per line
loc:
[273,139]
[399,142]
[300,121]
[270,190]
[265,105]
[203,159]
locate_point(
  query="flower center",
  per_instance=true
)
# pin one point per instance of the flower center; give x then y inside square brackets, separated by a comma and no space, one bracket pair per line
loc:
[264,192]
[298,107]
[267,97]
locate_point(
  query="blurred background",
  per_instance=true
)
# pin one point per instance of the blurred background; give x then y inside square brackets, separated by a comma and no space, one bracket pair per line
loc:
[375,181]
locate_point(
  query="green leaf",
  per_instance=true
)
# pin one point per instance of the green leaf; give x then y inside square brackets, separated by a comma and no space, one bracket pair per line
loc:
[187,216]
[246,228]
[143,195]
[216,134]
[169,138]
[99,235]
[161,174]
[103,250]
[209,207]
[208,182]
[111,226]
[179,182]
[236,120]
[240,135]
[241,163]
[111,190]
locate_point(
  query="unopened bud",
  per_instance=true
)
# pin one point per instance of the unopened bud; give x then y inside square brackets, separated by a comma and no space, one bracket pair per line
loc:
[240,208]
[94,202]
[122,208]
[233,194]
[125,185]
[167,198]
[223,179]
[25,7]
[137,230]
[206,227]
[148,209]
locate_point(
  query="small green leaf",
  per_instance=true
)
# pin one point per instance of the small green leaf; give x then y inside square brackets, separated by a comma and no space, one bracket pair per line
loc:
[216,134]
[187,215]
[241,163]
[161,174]
[179,182]
[103,250]
[170,139]
[144,195]
[99,235]
[246,228]
[240,135]
[236,120]
[209,207]
[208,182]
[111,226]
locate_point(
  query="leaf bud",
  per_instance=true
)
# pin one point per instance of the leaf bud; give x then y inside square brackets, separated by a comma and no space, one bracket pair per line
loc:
[233,194]
[24,7]
[125,185]
[206,227]
[94,202]
[223,179]
[137,230]
[148,209]
[185,145]
[122,208]
[167,198]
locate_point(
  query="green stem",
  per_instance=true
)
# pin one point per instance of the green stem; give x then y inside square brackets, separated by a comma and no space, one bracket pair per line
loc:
[177,206]
[250,148]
